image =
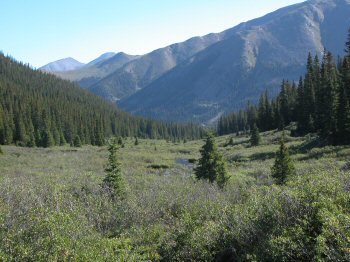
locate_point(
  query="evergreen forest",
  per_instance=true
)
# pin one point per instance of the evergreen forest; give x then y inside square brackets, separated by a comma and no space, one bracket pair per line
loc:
[39,109]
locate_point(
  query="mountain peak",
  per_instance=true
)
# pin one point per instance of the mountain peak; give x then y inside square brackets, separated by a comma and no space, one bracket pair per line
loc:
[62,65]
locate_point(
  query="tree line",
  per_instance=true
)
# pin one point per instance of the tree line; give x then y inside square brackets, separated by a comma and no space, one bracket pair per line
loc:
[318,103]
[39,109]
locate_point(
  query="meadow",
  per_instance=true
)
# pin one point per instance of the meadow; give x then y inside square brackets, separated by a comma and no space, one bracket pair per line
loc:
[53,208]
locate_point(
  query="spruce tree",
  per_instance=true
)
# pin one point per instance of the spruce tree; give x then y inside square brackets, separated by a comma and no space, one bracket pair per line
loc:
[47,139]
[263,111]
[31,137]
[62,139]
[327,98]
[1,152]
[302,112]
[283,167]
[284,101]
[8,132]
[310,82]
[345,71]
[343,119]
[20,134]
[136,141]
[114,181]
[230,142]
[77,141]
[255,136]
[211,165]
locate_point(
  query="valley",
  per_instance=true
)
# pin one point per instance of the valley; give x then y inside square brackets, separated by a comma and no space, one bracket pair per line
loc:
[232,146]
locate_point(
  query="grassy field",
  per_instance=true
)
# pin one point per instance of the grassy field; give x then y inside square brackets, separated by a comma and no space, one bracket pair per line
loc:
[52,207]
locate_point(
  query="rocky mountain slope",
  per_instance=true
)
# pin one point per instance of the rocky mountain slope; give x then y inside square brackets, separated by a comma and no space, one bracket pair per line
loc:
[139,73]
[256,56]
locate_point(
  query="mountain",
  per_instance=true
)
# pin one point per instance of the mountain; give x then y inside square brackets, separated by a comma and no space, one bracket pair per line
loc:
[139,73]
[254,56]
[62,65]
[102,58]
[40,109]
[97,69]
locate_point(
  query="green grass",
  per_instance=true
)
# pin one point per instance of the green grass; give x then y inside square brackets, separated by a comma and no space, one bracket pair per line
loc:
[52,207]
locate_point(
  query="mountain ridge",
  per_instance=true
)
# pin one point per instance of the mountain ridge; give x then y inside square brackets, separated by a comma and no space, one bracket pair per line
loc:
[205,76]
[97,69]
[138,74]
[101,58]
[256,57]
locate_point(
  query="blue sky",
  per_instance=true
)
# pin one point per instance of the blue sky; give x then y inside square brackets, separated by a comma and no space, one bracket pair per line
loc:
[41,31]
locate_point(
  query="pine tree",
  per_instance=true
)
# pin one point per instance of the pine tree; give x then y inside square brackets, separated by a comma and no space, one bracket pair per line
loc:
[230,142]
[310,82]
[8,131]
[263,111]
[343,119]
[77,141]
[211,165]
[31,138]
[284,101]
[114,180]
[302,112]
[275,115]
[20,134]
[328,97]
[345,71]
[255,136]
[309,99]
[62,139]
[283,167]
[47,139]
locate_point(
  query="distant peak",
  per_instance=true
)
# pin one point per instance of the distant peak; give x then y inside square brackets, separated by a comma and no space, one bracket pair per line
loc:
[122,54]
[62,65]
[71,59]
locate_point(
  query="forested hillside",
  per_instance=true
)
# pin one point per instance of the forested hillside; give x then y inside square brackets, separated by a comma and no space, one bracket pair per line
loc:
[38,109]
[319,103]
